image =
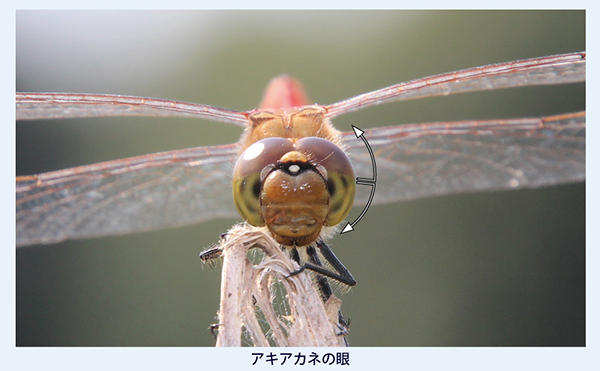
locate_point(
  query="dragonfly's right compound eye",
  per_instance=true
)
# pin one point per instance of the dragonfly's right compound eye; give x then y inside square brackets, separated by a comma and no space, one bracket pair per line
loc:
[247,180]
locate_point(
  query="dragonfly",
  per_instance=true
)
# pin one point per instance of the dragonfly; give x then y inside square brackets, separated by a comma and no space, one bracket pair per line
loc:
[188,186]
[193,185]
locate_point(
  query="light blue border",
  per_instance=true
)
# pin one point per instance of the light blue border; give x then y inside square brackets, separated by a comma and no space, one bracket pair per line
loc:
[360,358]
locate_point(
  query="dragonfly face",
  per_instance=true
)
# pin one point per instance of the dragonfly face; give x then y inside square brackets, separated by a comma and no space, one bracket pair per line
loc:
[294,188]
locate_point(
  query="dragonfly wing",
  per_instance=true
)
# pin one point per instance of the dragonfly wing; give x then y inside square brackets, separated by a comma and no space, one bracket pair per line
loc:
[557,69]
[137,194]
[424,160]
[35,106]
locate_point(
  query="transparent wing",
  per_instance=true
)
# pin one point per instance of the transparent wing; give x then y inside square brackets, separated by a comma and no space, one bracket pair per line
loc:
[137,194]
[423,160]
[193,185]
[558,69]
[33,106]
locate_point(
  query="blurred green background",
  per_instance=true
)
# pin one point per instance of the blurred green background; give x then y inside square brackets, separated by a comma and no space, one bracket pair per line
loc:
[496,268]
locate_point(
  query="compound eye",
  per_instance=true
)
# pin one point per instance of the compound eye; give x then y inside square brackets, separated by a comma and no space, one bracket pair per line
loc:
[340,175]
[247,182]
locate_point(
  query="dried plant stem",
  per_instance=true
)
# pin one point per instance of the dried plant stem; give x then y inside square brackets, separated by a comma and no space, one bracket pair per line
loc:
[245,286]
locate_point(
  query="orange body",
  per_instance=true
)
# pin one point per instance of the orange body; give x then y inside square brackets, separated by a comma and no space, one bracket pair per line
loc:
[295,199]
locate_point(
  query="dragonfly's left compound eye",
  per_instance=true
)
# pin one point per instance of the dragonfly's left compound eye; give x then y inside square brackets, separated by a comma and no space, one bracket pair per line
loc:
[247,182]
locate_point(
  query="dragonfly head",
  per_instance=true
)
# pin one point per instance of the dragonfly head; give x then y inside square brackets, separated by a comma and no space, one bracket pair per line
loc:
[293,187]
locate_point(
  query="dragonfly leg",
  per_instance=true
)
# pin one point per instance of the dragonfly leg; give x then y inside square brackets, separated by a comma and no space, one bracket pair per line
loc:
[214,251]
[342,275]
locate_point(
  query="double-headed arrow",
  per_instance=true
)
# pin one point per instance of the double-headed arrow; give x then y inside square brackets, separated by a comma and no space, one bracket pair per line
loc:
[363,181]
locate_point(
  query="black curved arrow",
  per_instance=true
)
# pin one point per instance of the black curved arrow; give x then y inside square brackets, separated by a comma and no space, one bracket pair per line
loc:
[363,181]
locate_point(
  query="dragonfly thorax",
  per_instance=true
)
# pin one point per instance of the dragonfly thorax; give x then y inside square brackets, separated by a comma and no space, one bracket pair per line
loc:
[293,123]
